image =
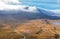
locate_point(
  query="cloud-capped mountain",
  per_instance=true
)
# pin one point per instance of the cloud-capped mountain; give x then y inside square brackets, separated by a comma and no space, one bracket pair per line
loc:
[27,13]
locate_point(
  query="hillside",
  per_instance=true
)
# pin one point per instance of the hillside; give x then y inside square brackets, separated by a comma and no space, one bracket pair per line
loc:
[29,19]
[42,29]
[34,29]
[42,24]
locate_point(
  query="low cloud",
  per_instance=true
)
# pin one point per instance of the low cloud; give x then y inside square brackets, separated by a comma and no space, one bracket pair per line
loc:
[10,1]
[9,4]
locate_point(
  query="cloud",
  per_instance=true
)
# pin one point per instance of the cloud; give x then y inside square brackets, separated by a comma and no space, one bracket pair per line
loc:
[31,9]
[9,5]
[10,1]
[56,11]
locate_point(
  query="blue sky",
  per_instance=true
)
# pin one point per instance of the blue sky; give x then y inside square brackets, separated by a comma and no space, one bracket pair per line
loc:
[47,4]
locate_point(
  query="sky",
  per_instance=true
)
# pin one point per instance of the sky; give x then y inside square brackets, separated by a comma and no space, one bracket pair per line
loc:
[46,4]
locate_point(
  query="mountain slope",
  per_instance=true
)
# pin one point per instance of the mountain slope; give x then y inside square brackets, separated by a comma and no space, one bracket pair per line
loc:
[25,13]
[15,17]
[39,29]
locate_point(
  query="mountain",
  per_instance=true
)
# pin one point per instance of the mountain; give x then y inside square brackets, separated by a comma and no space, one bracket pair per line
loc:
[28,13]
[14,17]
[30,20]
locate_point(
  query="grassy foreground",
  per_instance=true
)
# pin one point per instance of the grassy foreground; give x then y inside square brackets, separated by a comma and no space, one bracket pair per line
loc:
[39,30]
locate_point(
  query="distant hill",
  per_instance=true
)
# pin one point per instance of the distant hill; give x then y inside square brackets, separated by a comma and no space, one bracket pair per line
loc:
[28,15]
[15,23]
[15,17]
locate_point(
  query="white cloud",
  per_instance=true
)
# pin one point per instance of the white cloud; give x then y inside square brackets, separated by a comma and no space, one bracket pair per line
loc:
[6,5]
[31,9]
[10,1]
[55,11]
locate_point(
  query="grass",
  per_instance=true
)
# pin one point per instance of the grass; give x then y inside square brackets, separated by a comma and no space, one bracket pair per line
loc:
[38,29]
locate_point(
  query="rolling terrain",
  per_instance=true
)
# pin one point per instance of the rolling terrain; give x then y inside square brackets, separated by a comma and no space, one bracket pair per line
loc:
[36,25]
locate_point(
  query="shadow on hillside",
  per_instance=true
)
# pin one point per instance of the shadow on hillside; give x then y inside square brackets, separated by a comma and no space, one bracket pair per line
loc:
[42,14]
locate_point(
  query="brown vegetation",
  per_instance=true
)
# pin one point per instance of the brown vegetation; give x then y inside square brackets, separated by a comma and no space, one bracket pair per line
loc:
[40,28]
[34,29]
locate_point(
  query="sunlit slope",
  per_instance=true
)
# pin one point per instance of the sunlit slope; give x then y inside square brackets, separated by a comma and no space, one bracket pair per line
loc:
[39,28]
